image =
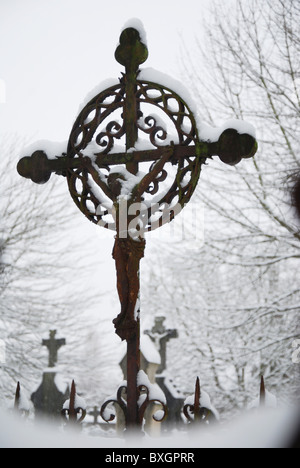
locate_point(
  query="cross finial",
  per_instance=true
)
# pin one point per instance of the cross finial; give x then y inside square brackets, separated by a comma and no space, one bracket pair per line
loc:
[131,52]
[160,335]
[53,346]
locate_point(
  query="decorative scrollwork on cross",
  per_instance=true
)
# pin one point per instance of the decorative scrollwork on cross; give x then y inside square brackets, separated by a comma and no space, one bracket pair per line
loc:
[95,135]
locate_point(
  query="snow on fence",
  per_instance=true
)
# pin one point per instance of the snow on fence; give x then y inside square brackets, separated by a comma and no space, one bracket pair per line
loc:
[197,410]
[262,427]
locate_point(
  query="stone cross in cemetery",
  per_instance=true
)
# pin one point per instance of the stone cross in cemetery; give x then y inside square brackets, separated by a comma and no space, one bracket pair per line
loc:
[53,346]
[160,335]
[49,398]
[139,184]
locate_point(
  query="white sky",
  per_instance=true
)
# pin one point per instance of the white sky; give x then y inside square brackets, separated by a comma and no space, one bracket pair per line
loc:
[52,53]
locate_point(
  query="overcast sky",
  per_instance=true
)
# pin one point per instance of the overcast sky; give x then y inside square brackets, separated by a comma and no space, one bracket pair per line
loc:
[52,53]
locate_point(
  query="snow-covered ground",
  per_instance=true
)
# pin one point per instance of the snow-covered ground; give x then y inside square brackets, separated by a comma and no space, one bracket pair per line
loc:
[267,428]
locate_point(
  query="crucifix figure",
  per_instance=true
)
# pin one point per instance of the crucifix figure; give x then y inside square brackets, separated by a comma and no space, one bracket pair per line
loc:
[139,187]
[53,346]
[160,335]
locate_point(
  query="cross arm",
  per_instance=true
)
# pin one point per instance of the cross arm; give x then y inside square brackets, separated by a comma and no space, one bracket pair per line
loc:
[61,342]
[39,168]
[231,148]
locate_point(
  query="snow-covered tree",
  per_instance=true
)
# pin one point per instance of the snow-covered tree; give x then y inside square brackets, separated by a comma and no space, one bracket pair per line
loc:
[237,299]
[44,271]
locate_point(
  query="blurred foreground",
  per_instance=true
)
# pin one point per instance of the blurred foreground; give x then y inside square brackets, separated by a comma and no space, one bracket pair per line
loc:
[267,428]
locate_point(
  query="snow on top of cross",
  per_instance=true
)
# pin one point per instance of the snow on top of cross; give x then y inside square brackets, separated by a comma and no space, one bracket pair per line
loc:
[205,131]
[99,88]
[155,76]
[53,149]
[137,24]
[212,134]
[129,182]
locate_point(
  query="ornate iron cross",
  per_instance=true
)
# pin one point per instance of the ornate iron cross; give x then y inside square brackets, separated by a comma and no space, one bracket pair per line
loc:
[140,186]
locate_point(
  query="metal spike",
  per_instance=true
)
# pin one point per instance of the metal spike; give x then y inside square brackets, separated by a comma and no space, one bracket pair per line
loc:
[17,397]
[197,415]
[262,398]
[72,410]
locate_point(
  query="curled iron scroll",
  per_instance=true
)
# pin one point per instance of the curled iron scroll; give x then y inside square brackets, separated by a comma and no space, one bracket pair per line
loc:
[145,401]
[120,401]
[144,392]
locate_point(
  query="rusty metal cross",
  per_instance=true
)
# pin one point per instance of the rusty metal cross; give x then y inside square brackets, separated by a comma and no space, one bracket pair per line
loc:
[139,187]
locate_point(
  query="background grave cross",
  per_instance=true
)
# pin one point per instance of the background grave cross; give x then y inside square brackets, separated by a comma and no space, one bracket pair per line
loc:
[53,346]
[95,413]
[160,335]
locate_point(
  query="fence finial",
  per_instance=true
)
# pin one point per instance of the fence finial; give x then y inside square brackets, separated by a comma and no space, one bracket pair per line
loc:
[74,411]
[262,397]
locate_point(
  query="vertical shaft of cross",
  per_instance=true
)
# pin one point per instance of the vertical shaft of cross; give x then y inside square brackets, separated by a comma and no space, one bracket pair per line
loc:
[127,251]
[131,53]
[130,116]
[133,367]
[128,254]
